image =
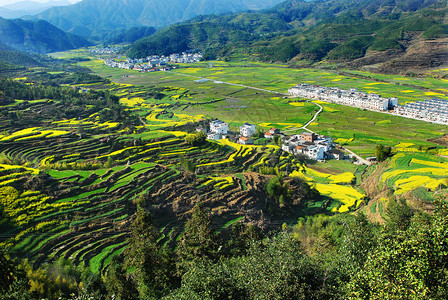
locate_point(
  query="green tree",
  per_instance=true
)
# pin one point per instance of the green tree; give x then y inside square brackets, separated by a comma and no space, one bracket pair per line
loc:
[382,152]
[198,241]
[399,215]
[410,264]
[278,140]
[187,164]
[278,188]
[153,268]
[359,239]
[196,139]
[13,280]
[275,268]
[240,238]
[118,283]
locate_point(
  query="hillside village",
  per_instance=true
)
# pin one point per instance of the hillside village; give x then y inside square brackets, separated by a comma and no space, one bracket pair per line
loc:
[309,144]
[154,62]
[106,50]
[351,97]
[433,110]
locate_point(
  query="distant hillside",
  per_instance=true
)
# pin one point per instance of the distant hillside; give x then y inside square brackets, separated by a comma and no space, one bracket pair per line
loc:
[355,31]
[37,37]
[128,36]
[96,17]
[23,8]
[13,58]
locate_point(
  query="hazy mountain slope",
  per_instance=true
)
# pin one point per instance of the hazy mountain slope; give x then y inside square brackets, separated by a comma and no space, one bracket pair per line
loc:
[95,17]
[128,36]
[343,30]
[22,8]
[37,37]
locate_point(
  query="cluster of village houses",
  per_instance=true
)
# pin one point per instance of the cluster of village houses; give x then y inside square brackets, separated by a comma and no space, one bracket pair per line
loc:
[311,145]
[434,110]
[106,50]
[154,63]
[351,97]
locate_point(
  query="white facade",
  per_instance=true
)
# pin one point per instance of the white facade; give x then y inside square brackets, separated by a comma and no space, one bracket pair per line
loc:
[213,136]
[434,110]
[317,148]
[316,152]
[219,127]
[247,130]
[350,97]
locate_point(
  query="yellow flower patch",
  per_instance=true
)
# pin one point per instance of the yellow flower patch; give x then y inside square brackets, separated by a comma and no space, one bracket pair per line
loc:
[347,195]
[300,175]
[430,163]
[315,173]
[223,182]
[175,133]
[330,109]
[413,182]
[376,83]
[12,167]
[433,94]
[132,101]
[344,141]
[319,102]
[191,70]
[297,103]
[116,152]
[345,178]
[404,145]
[443,152]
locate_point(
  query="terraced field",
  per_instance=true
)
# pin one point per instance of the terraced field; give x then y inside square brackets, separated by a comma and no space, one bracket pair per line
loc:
[72,185]
[78,193]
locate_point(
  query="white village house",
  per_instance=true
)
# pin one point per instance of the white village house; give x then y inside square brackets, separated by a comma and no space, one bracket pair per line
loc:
[218,130]
[247,130]
[351,97]
[316,147]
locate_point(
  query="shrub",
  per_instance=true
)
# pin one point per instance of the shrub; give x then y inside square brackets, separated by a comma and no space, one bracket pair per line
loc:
[196,139]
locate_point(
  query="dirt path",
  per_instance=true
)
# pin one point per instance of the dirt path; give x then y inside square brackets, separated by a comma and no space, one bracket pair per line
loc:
[366,162]
[314,118]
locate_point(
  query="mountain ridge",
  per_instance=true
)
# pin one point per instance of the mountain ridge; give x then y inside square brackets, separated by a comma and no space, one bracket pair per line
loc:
[306,33]
[23,8]
[37,36]
[94,17]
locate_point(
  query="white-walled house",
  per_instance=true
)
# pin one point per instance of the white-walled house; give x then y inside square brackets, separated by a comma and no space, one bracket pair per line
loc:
[247,130]
[351,97]
[316,152]
[219,127]
[316,147]
[213,136]
[245,141]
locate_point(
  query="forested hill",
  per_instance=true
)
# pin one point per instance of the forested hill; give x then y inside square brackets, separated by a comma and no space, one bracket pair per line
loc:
[96,17]
[363,32]
[37,36]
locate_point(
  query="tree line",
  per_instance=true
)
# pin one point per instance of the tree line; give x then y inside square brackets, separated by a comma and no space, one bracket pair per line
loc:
[321,257]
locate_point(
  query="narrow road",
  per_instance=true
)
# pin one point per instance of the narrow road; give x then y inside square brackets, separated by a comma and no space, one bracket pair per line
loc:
[313,119]
[366,162]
